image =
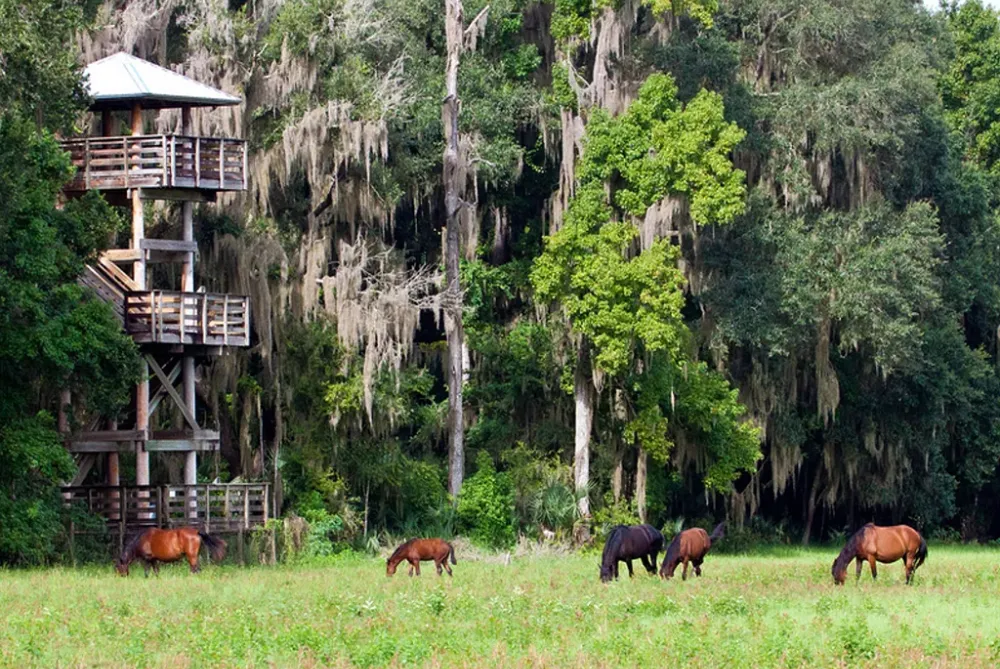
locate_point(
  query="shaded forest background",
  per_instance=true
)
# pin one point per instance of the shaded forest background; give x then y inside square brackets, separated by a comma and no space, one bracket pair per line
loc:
[751,244]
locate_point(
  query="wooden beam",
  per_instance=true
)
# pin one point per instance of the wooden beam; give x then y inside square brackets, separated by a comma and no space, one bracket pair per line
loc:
[169,387]
[192,435]
[171,245]
[83,468]
[180,445]
[108,435]
[176,194]
[122,255]
[100,447]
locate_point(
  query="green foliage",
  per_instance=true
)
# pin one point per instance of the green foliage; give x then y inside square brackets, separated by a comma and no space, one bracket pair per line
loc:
[970,89]
[656,149]
[486,505]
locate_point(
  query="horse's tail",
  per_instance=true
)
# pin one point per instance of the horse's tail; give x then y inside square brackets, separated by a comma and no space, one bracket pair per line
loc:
[921,553]
[718,532]
[216,547]
[451,554]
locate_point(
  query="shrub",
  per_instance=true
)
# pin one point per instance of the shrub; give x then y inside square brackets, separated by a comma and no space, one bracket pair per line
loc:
[486,506]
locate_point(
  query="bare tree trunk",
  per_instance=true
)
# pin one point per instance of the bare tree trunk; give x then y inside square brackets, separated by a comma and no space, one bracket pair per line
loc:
[811,508]
[640,485]
[583,392]
[617,474]
[453,187]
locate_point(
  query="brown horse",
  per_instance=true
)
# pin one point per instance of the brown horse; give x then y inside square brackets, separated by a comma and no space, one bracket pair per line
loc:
[154,546]
[689,546]
[882,544]
[415,550]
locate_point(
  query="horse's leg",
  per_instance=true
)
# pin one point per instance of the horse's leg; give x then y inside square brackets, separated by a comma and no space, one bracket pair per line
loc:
[871,563]
[652,557]
[645,563]
[684,574]
[616,570]
[145,568]
[697,567]
[437,565]
[908,565]
[411,569]
[193,563]
[857,575]
[446,567]
[156,568]
[416,566]
[628,563]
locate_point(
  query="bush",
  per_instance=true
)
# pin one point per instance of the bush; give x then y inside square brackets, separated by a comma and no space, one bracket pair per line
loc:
[486,506]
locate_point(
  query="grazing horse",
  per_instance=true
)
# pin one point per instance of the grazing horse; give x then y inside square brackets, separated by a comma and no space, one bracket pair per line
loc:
[154,546]
[415,550]
[626,543]
[689,546]
[882,544]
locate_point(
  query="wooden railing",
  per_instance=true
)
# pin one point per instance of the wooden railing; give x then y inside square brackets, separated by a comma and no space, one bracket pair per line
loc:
[215,507]
[169,317]
[157,161]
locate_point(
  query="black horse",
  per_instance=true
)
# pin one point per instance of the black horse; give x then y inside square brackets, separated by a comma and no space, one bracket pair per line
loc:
[628,542]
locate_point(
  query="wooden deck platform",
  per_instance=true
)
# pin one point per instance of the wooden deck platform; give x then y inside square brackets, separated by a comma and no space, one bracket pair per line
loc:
[157,161]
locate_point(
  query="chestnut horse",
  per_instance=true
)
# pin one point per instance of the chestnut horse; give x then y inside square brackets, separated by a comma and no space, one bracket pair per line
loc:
[626,543]
[154,546]
[415,550]
[689,546]
[882,544]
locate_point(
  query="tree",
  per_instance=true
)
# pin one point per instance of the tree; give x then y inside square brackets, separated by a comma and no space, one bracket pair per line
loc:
[454,191]
[626,304]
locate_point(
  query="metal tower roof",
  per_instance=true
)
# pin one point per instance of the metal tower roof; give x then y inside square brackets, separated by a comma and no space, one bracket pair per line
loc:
[116,82]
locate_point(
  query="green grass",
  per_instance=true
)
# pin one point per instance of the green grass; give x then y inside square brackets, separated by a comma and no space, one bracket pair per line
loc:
[754,611]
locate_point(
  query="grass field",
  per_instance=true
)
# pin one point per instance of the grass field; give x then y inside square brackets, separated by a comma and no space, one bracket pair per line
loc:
[754,611]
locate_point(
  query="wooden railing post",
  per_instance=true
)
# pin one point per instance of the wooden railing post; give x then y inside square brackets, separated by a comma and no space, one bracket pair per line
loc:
[197,161]
[243,148]
[222,164]
[225,321]
[159,506]
[246,508]
[86,162]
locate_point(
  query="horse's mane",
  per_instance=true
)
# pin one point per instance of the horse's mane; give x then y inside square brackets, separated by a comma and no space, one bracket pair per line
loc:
[673,550]
[128,552]
[850,549]
[405,544]
[612,544]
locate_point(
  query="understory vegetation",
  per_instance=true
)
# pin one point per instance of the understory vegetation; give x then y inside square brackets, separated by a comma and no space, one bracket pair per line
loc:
[718,259]
[772,609]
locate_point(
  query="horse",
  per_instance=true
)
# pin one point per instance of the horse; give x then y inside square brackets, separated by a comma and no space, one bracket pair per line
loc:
[154,546]
[415,550]
[882,544]
[626,543]
[689,546]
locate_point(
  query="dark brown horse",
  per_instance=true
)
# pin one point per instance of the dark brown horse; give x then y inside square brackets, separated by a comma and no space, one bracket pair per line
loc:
[415,550]
[689,546]
[626,543]
[881,544]
[154,546]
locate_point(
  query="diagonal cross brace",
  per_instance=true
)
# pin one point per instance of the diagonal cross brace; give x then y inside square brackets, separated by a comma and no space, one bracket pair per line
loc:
[172,376]
[169,387]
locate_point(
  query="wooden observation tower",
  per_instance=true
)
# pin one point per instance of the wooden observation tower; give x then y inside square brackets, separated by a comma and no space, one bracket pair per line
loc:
[175,326]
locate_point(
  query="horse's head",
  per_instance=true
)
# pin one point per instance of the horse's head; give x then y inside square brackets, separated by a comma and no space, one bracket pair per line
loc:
[607,573]
[121,566]
[839,572]
[390,567]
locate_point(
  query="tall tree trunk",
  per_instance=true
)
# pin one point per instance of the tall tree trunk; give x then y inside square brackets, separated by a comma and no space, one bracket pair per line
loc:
[583,392]
[454,178]
[640,484]
[811,508]
[617,474]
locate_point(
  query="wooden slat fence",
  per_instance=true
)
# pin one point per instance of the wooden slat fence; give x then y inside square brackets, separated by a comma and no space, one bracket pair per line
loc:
[157,161]
[215,507]
[171,317]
